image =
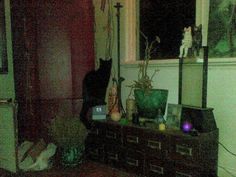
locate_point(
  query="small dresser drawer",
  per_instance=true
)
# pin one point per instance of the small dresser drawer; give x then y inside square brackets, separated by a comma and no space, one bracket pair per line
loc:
[113,134]
[183,170]
[114,156]
[94,151]
[134,161]
[185,149]
[98,129]
[156,167]
[156,143]
[133,138]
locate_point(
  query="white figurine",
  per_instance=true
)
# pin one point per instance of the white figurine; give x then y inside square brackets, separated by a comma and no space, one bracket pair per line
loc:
[186,42]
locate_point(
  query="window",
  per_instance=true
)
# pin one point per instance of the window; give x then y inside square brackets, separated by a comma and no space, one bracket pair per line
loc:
[170,48]
[166,19]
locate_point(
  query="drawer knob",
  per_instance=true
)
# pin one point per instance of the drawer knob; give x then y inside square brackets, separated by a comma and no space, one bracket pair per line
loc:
[183,150]
[132,139]
[157,169]
[112,156]
[180,174]
[132,162]
[94,152]
[154,144]
[95,132]
[110,134]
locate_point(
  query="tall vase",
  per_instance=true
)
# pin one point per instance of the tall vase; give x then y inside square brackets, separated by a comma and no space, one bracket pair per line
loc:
[149,102]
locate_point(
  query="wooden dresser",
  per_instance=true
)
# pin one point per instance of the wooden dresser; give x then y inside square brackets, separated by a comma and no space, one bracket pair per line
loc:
[153,153]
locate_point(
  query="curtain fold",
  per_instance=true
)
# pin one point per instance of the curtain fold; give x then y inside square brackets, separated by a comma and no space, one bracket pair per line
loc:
[82,43]
[53,49]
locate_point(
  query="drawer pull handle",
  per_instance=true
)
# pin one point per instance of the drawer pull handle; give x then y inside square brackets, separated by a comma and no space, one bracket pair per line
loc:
[132,162]
[112,156]
[132,139]
[157,169]
[111,134]
[95,132]
[94,152]
[180,174]
[183,150]
[154,144]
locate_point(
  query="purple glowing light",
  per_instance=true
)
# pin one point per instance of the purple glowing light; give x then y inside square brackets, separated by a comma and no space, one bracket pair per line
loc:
[187,126]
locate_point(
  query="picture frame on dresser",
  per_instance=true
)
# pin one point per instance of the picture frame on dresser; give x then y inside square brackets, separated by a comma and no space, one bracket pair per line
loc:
[173,116]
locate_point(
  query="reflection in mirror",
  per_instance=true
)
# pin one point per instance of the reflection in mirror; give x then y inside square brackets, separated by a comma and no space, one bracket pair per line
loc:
[192,75]
[3,48]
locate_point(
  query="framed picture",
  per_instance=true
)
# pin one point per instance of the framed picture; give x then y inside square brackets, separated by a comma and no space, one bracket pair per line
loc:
[173,116]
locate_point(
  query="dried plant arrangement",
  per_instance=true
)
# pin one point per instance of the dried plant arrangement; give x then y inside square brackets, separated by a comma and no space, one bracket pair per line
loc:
[144,81]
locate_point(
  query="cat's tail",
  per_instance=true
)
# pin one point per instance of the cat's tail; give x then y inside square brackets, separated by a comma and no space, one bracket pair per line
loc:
[83,116]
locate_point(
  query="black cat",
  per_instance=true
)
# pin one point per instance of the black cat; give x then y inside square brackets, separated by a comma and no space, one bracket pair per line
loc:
[197,39]
[94,89]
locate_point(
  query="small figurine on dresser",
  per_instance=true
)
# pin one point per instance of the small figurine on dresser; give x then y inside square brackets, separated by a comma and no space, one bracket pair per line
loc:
[160,120]
[186,42]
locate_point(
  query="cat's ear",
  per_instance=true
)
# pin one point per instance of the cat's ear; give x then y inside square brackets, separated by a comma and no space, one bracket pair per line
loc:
[188,28]
[200,26]
[101,61]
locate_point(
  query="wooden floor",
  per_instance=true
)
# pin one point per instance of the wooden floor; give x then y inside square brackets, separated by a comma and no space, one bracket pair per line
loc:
[87,169]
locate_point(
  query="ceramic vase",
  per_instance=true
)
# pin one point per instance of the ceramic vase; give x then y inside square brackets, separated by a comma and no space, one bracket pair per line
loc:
[72,156]
[149,102]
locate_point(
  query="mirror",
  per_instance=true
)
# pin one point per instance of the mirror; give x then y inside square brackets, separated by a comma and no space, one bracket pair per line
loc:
[193,71]
[3,43]
[192,83]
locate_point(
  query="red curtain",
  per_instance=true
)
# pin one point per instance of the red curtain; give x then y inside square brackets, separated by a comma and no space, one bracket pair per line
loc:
[45,81]
[24,30]
[82,43]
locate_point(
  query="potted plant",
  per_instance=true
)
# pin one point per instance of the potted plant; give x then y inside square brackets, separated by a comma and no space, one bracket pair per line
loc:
[69,134]
[149,101]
